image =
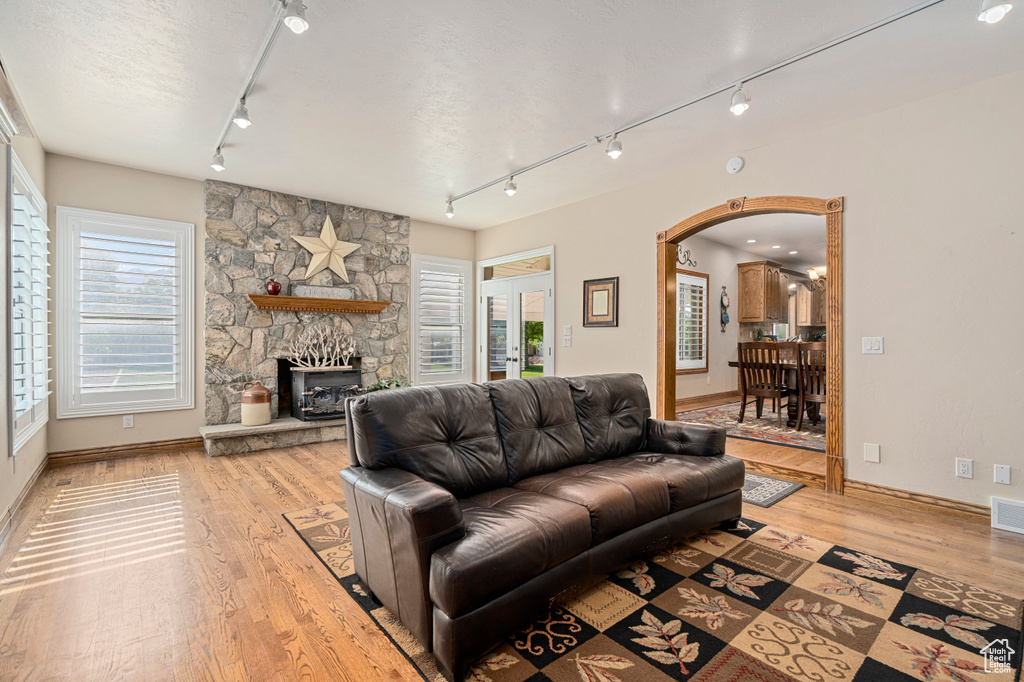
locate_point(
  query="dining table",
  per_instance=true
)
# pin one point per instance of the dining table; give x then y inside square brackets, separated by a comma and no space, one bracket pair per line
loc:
[788,368]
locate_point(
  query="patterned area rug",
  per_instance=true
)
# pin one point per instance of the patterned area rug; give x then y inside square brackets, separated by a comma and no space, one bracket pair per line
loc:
[765,429]
[764,491]
[757,603]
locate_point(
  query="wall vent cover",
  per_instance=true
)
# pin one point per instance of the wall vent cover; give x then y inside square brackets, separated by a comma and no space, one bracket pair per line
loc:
[1008,514]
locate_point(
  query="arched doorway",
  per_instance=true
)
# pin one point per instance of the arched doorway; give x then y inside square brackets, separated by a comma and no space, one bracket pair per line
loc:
[832,209]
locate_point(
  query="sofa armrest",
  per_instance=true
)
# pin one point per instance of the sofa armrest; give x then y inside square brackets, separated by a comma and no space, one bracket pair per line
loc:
[683,438]
[396,521]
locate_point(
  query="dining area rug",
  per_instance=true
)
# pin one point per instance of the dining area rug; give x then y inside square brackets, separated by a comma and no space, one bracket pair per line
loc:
[766,429]
[757,602]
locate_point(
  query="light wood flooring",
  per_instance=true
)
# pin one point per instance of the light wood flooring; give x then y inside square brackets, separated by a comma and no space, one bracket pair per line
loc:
[196,576]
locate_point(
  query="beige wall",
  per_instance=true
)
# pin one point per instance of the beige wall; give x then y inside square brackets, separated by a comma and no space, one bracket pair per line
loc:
[431,239]
[933,253]
[101,187]
[16,472]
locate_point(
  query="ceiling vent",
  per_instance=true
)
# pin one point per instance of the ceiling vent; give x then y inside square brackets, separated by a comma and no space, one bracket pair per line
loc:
[1008,515]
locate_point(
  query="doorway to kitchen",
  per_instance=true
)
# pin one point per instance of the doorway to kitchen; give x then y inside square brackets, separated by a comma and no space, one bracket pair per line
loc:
[516,316]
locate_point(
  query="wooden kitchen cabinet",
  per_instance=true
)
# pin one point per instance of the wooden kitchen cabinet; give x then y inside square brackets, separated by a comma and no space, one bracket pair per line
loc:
[810,307]
[763,294]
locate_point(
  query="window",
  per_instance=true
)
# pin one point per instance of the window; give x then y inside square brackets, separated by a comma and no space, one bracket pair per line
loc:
[439,296]
[124,307]
[27,324]
[692,318]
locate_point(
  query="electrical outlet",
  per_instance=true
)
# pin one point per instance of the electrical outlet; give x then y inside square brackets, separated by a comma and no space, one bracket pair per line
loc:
[567,341]
[129,421]
[964,467]
[872,452]
[1002,474]
[709,380]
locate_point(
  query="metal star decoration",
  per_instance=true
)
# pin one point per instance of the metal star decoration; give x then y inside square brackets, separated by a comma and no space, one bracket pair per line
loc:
[327,251]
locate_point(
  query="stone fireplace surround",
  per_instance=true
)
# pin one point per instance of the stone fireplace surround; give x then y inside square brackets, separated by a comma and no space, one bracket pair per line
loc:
[248,240]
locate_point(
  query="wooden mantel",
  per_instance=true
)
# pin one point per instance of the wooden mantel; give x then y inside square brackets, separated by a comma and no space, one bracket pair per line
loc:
[317,305]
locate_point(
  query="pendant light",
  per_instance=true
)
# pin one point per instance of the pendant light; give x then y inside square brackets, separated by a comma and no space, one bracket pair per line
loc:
[295,17]
[614,149]
[241,117]
[510,187]
[993,11]
[217,163]
[740,101]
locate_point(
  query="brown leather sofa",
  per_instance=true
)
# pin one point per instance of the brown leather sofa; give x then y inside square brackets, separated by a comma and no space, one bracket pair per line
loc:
[474,507]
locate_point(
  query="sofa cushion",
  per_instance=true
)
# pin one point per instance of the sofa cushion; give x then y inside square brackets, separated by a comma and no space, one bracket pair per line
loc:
[537,422]
[511,537]
[618,498]
[612,410]
[444,434]
[691,479]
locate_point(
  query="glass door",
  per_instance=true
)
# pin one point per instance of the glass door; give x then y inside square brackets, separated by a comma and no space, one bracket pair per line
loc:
[517,328]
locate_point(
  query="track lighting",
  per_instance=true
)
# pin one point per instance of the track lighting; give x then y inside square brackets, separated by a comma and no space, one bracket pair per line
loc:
[993,11]
[740,101]
[241,117]
[449,211]
[614,149]
[295,17]
[510,187]
[218,161]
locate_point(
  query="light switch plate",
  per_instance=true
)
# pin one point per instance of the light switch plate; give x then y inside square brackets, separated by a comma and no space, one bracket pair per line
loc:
[872,345]
[872,452]
[567,330]
[1002,474]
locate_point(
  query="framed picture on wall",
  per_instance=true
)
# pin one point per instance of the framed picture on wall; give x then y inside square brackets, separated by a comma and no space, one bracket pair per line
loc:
[601,302]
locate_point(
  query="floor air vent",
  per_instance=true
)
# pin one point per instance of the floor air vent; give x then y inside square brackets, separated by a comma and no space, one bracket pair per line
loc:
[1008,514]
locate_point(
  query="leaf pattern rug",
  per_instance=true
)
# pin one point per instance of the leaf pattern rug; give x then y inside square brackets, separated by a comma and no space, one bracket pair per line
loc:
[756,603]
[765,429]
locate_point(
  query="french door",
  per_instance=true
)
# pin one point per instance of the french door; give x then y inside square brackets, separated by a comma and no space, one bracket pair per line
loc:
[516,328]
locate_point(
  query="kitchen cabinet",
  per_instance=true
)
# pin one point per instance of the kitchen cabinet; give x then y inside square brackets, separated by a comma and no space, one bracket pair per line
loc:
[810,307]
[763,292]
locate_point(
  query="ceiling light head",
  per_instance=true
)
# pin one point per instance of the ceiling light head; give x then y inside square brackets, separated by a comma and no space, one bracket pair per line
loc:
[510,187]
[614,149]
[993,11]
[217,163]
[751,241]
[792,253]
[740,101]
[295,17]
[777,247]
[241,117]
[449,211]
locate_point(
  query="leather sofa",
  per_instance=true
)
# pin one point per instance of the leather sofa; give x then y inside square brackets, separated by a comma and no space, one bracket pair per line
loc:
[475,507]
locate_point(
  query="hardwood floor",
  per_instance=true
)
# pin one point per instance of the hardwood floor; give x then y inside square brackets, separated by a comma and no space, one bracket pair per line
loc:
[195,575]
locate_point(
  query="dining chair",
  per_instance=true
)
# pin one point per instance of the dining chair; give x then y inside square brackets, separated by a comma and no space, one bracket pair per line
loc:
[761,376]
[810,379]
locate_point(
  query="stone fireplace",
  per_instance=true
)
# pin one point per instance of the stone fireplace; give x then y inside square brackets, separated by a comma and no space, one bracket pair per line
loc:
[249,238]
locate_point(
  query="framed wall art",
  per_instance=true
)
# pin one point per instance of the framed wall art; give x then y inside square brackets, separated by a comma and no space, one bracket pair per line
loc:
[601,302]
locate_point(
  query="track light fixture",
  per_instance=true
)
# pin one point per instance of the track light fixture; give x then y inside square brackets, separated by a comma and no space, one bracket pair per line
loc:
[295,17]
[449,211]
[614,149]
[217,163]
[241,117]
[740,101]
[510,186]
[993,11]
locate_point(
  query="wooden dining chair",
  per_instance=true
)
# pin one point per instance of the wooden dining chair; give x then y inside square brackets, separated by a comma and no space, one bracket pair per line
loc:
[761,376]
[810,378]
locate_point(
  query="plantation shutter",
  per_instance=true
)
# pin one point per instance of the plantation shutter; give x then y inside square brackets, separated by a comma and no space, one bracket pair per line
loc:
[128,346]
[29,269]
[441,352]
[691,318]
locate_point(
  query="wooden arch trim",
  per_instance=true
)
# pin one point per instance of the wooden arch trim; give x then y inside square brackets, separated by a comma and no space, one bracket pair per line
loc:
[742,207]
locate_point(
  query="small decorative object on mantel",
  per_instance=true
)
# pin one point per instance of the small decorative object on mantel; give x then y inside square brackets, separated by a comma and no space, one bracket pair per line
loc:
[273,287]
[255,404]
[323,292]
[725,308]
[327,251]
[601,302]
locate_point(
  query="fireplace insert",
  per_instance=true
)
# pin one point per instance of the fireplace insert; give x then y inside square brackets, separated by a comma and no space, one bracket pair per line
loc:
[319,393]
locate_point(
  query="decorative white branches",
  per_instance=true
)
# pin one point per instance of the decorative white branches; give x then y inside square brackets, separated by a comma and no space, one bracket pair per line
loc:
[322,347]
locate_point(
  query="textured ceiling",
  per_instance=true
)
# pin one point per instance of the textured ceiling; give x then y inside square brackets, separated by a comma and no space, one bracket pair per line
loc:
[397,105]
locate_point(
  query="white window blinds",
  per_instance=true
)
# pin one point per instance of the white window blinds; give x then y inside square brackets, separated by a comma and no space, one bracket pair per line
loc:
[440,346]
[29,310]
[692,321]
[125,329]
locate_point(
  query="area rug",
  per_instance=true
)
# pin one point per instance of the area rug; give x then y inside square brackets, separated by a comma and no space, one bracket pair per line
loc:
[764,491]
[765,429]
[756,603]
